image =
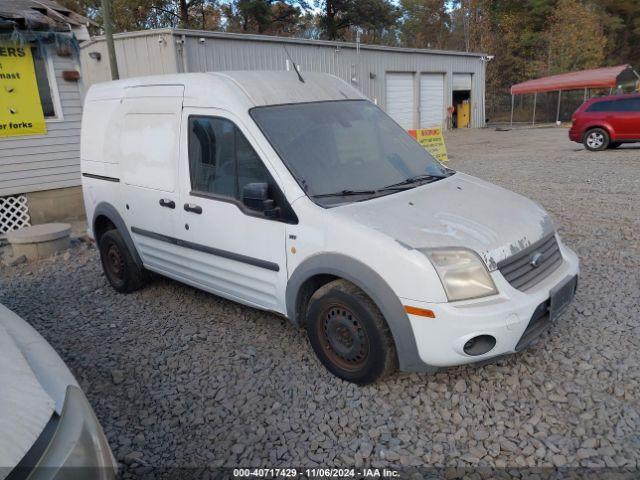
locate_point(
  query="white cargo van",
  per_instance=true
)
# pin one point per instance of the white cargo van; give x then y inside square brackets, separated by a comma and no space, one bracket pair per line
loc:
[299,196]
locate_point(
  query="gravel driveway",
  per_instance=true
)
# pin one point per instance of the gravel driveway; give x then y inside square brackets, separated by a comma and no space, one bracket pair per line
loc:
[179,377]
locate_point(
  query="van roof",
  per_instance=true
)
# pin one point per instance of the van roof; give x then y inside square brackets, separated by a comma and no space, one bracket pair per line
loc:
[250,88]
[618,96]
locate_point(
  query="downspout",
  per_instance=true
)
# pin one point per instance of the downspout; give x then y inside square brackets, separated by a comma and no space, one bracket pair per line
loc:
[558,107]
[535,100]
[512,102]
[181,47]
[485,61]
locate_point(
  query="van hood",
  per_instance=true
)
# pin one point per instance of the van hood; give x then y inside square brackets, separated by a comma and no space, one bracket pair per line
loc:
[459,211]
[33,380]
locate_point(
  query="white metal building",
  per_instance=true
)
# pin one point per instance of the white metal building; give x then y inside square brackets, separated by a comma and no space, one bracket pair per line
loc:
[414,86]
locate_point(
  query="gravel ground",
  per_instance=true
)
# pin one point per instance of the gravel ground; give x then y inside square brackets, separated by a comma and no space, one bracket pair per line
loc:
[179,377]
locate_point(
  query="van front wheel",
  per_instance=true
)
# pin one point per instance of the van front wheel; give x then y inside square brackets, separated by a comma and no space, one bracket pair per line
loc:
[121,270]
[349,334]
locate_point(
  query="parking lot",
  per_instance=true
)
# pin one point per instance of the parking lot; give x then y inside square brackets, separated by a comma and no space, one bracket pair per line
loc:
[180,378]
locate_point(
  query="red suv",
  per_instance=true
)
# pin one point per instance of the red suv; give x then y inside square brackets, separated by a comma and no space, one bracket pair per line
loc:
[607,122]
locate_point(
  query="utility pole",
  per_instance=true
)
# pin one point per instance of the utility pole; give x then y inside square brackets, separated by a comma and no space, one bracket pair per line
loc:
[108,33]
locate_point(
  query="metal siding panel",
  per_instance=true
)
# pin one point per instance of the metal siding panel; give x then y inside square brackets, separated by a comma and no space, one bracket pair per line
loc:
[94,71]
[42,184]
[33,180]
[38,149]
[71,96]
[64,162]
[40,172]
[62,137]
[23,159]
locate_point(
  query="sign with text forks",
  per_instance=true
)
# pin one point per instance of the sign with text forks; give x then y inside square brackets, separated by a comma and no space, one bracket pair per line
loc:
[20,108]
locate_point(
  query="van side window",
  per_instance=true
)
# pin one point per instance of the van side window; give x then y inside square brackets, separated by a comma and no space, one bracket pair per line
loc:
[606,106]
[249,166]
[221,160]
[629,105]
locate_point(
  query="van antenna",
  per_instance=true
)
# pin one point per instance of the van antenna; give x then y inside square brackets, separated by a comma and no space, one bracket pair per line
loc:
[295,67]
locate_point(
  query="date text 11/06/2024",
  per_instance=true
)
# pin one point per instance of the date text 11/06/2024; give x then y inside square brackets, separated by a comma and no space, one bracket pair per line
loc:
[315,472]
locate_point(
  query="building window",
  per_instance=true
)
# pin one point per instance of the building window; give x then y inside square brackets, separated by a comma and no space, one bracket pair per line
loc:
[43,73]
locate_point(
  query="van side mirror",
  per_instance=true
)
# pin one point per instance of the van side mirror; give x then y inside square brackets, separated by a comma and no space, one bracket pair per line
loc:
[255,196]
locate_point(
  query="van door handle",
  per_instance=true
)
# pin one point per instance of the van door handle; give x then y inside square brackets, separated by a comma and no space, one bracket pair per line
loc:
[190,207]
[167,203]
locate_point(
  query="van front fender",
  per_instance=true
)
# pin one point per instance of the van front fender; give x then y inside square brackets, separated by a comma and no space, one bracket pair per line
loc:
[370,282]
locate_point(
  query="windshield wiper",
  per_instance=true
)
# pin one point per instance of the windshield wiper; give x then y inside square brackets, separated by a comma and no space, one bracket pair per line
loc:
[414,179]
[345,193]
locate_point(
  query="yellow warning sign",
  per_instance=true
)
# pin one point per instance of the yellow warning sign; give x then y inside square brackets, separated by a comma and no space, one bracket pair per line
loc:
[432,140]
[20,107]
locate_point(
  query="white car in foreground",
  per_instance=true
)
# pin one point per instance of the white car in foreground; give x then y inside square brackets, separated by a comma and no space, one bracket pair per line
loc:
[47,427]
[299,196]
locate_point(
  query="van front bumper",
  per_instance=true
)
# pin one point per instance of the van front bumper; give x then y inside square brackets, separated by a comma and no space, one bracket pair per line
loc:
[513,318]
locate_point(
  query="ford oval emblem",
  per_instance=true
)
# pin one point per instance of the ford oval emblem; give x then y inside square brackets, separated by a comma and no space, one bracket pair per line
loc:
[536,259]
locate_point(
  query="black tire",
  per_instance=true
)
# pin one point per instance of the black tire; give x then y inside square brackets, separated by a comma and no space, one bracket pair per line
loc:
[349,334]
[613,145]
[118,265]
[596,139]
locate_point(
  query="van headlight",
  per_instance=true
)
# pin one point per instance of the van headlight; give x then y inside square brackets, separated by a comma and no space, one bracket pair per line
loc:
[462,272]
[78,448]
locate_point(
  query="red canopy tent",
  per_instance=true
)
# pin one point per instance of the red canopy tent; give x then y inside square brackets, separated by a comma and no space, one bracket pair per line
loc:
[608,77]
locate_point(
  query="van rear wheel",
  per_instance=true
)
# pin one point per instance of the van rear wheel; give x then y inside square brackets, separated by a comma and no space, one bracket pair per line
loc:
[349,334]
[118,265]
[596,139]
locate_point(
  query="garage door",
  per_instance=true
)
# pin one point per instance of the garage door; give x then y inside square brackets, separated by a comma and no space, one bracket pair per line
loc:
[461,81]
[431,99]
[400,98]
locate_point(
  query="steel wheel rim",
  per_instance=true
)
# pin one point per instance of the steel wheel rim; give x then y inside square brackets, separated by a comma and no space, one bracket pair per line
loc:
[115,263]
[595,139]
[343,337]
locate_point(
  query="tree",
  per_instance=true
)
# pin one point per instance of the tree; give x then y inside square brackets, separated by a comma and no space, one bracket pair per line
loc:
[130,15]
[274,17]
[426,23]
[621,23]
[374,18]
[184,13]
[574,39]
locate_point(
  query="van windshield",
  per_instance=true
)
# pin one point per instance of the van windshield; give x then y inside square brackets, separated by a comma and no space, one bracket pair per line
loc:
[346,151]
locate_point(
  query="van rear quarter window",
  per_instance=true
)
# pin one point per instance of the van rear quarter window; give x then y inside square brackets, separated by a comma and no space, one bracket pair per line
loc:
[621,105]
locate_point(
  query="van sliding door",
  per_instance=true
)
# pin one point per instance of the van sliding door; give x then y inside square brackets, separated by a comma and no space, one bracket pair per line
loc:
[149,142]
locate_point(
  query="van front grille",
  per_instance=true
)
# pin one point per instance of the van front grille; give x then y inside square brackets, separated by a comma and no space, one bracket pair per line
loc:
[530,266]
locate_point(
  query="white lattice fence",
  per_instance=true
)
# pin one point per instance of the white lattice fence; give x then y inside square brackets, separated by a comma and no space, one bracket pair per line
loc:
[14,213]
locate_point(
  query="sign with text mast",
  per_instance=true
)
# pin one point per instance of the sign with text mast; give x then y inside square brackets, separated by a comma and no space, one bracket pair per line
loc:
[20,107]
[432,140]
